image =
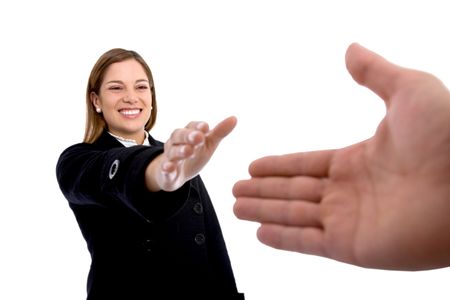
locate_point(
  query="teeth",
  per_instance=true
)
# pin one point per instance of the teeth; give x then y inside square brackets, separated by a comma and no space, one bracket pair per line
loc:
[130,112]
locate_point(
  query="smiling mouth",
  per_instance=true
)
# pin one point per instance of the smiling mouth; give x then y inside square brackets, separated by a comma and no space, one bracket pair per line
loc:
[130,112]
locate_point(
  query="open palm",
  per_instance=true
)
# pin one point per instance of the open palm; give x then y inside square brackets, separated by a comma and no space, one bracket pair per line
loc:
[187,151]
[382,203]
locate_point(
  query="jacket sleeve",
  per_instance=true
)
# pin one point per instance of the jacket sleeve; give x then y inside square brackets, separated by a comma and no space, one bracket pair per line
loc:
[89,176]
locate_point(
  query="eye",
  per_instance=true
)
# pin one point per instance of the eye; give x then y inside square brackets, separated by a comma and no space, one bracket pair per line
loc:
[115,88]
[142,87]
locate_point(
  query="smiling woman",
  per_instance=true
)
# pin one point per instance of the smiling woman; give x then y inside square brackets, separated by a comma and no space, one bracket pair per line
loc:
[144,211]
[126,100]
[112,77]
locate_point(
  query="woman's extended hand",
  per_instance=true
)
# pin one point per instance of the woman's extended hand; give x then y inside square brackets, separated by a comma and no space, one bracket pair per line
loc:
[185,153]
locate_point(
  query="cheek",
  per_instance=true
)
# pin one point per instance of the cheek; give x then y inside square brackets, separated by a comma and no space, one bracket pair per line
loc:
[109,108]
[110,102]
[147,101]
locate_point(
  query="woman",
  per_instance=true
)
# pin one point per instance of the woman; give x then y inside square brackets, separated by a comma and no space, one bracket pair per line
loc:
[146,216]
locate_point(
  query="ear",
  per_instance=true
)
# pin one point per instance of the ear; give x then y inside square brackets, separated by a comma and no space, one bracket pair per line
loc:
[95,100]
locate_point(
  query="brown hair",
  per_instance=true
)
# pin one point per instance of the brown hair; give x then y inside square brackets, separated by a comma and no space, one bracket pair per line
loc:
[95,123]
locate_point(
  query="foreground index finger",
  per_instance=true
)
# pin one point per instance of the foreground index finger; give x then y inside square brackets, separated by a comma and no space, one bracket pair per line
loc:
[314,163]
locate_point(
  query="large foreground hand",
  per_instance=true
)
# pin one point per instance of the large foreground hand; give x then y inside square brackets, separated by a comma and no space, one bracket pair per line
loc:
[382,203]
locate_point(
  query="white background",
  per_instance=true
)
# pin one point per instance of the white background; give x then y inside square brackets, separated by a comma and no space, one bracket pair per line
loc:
[277,65]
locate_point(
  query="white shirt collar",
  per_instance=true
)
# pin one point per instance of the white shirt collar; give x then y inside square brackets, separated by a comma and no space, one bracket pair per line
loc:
[130,142]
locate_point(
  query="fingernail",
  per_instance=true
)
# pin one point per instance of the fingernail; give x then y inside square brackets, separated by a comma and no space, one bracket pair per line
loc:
[171,176]
[200,125]
[182,150]
[191,136]
[165,166]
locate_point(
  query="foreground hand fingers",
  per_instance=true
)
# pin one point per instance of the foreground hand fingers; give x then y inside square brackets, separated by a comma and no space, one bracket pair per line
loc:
[298,187]
[308,240]
[290,213]
[373,71]
[314,163]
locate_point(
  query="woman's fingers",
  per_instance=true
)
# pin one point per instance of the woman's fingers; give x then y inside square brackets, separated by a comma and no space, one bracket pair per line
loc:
[198,125]
[196,132]
[189,136]
[179,152]
[193,145]
[222,129]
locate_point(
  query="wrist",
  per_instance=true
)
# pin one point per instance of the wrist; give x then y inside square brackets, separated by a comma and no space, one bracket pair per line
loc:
[151,175]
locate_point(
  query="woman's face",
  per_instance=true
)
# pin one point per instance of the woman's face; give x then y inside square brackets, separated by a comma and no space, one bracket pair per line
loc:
[125,99]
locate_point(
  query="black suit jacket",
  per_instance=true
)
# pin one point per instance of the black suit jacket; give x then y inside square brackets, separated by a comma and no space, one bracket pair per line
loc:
[143,244]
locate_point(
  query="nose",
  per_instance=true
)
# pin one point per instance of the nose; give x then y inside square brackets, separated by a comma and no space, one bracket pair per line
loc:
[130,98]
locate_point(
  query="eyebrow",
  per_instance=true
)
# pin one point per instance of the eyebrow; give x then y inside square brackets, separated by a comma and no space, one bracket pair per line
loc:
[121,82]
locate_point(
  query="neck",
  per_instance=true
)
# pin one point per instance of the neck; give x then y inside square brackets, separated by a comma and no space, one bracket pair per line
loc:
[135,139]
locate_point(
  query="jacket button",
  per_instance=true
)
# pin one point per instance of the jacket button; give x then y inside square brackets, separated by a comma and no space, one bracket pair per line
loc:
[113,169]
[148,245]
[199,238]
[198,208]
